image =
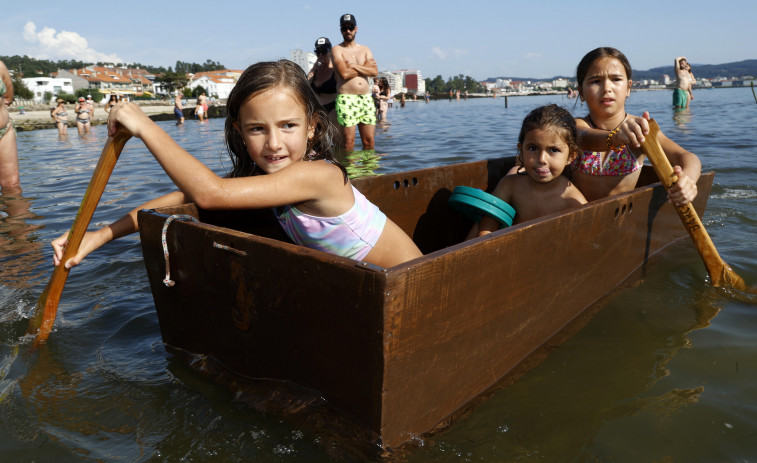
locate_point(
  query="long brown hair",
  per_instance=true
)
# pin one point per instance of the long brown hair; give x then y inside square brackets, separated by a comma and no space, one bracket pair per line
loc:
[266,75]
[599,53]
[554,118]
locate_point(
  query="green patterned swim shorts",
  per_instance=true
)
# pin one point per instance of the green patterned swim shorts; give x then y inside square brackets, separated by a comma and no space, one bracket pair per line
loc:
[352,110]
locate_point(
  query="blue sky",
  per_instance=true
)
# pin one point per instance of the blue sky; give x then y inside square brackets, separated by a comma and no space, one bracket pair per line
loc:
[478,38]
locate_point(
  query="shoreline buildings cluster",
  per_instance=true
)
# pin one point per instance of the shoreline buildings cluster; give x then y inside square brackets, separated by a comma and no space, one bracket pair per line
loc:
[125,82]
[218,84]
[560,84]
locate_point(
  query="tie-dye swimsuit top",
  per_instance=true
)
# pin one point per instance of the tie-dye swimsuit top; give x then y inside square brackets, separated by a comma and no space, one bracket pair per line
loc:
[352,234]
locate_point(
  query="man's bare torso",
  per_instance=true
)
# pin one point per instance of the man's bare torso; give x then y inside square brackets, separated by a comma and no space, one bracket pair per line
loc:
[357,54]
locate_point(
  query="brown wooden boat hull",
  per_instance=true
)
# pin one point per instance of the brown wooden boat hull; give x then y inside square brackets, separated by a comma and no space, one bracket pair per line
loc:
[400,349]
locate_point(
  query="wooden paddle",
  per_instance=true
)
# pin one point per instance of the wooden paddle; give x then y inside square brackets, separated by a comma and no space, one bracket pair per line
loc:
[720,273]
[47,305]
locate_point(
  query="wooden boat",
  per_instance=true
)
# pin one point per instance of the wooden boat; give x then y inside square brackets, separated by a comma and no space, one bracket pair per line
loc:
[398,349]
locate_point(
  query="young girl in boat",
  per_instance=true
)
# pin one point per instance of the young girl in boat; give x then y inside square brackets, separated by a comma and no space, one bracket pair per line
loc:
[608,134]
[280,143]
[546,145]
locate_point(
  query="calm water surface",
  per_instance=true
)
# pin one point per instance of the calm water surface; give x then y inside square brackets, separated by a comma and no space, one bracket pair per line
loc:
[666,370]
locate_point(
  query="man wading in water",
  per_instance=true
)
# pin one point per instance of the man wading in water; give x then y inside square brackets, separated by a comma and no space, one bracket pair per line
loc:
[354,105]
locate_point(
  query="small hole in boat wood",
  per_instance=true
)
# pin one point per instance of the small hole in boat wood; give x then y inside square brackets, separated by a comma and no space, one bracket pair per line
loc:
[396,185]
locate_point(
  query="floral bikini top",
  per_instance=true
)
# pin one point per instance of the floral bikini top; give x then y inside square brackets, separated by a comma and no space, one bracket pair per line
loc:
[617,163]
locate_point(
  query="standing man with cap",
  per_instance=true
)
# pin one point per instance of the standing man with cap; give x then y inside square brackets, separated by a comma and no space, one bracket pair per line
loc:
[91,106]
[354,105]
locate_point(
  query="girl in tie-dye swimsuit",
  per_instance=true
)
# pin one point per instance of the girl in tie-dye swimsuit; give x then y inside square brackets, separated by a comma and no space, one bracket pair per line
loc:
[608,135]
[280,142]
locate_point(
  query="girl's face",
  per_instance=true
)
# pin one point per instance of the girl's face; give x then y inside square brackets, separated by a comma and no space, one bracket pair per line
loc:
[545,155]
[275,128]
[606,87]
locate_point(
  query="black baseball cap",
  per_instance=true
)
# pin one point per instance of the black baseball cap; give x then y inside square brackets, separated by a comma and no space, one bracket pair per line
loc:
[347,19]
[323,42]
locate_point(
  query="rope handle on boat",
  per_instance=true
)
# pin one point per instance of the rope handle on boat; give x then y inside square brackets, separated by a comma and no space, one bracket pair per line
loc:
[185,217]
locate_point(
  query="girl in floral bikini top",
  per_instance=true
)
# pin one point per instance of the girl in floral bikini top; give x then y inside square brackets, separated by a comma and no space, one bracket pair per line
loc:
[618,161]
[608,135]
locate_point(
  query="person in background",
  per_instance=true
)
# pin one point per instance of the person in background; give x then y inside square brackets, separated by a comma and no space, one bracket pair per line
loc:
[83,121]
[111,102]
[10,181]
[682,94]
[322,78]
[203,100]
[60,116]
[199,111]
[178,108]
[354,64]
[385,95]
[91,106]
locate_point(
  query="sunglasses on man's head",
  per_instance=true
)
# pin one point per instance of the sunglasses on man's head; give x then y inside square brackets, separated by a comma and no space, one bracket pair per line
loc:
[348,28]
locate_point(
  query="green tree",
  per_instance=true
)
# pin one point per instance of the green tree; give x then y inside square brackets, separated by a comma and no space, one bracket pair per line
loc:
[20,90]
[172,81]
[96,95]
[198,90]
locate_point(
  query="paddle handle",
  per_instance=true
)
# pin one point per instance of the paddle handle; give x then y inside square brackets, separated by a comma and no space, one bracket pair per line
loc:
[47,305]
[720,273]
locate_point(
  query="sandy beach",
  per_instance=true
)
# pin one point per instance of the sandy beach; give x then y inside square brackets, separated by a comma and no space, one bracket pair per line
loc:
[40,119]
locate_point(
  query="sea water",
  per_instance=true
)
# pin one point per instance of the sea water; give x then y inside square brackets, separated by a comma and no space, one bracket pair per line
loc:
[665,371]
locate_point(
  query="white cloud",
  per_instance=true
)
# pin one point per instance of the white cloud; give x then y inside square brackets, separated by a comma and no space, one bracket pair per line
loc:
[532,55]
[442,54]
[439,52]
[50,44]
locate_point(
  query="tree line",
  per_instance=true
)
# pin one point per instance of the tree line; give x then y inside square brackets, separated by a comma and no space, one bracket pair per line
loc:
[460,82]
[30,67]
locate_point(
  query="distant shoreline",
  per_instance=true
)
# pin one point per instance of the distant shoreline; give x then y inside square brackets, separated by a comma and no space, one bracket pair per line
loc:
[39,119]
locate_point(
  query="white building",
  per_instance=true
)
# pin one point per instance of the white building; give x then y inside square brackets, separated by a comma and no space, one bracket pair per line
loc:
[303,59]
[411,81]
[560,83]
[40,85]
[217,84]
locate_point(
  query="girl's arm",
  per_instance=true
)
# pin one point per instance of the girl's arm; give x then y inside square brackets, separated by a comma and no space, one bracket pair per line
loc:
[319,182]
[630,132]
[126,225]
[503,191]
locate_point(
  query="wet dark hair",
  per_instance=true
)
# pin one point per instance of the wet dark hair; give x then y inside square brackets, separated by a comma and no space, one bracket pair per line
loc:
[265,76]
[598,53]
[554,118]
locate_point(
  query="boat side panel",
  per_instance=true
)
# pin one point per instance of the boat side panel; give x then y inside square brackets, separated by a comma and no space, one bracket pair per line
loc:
[462,320]
[266,309]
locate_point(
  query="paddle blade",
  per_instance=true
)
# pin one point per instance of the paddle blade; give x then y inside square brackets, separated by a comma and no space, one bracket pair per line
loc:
[47,307]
